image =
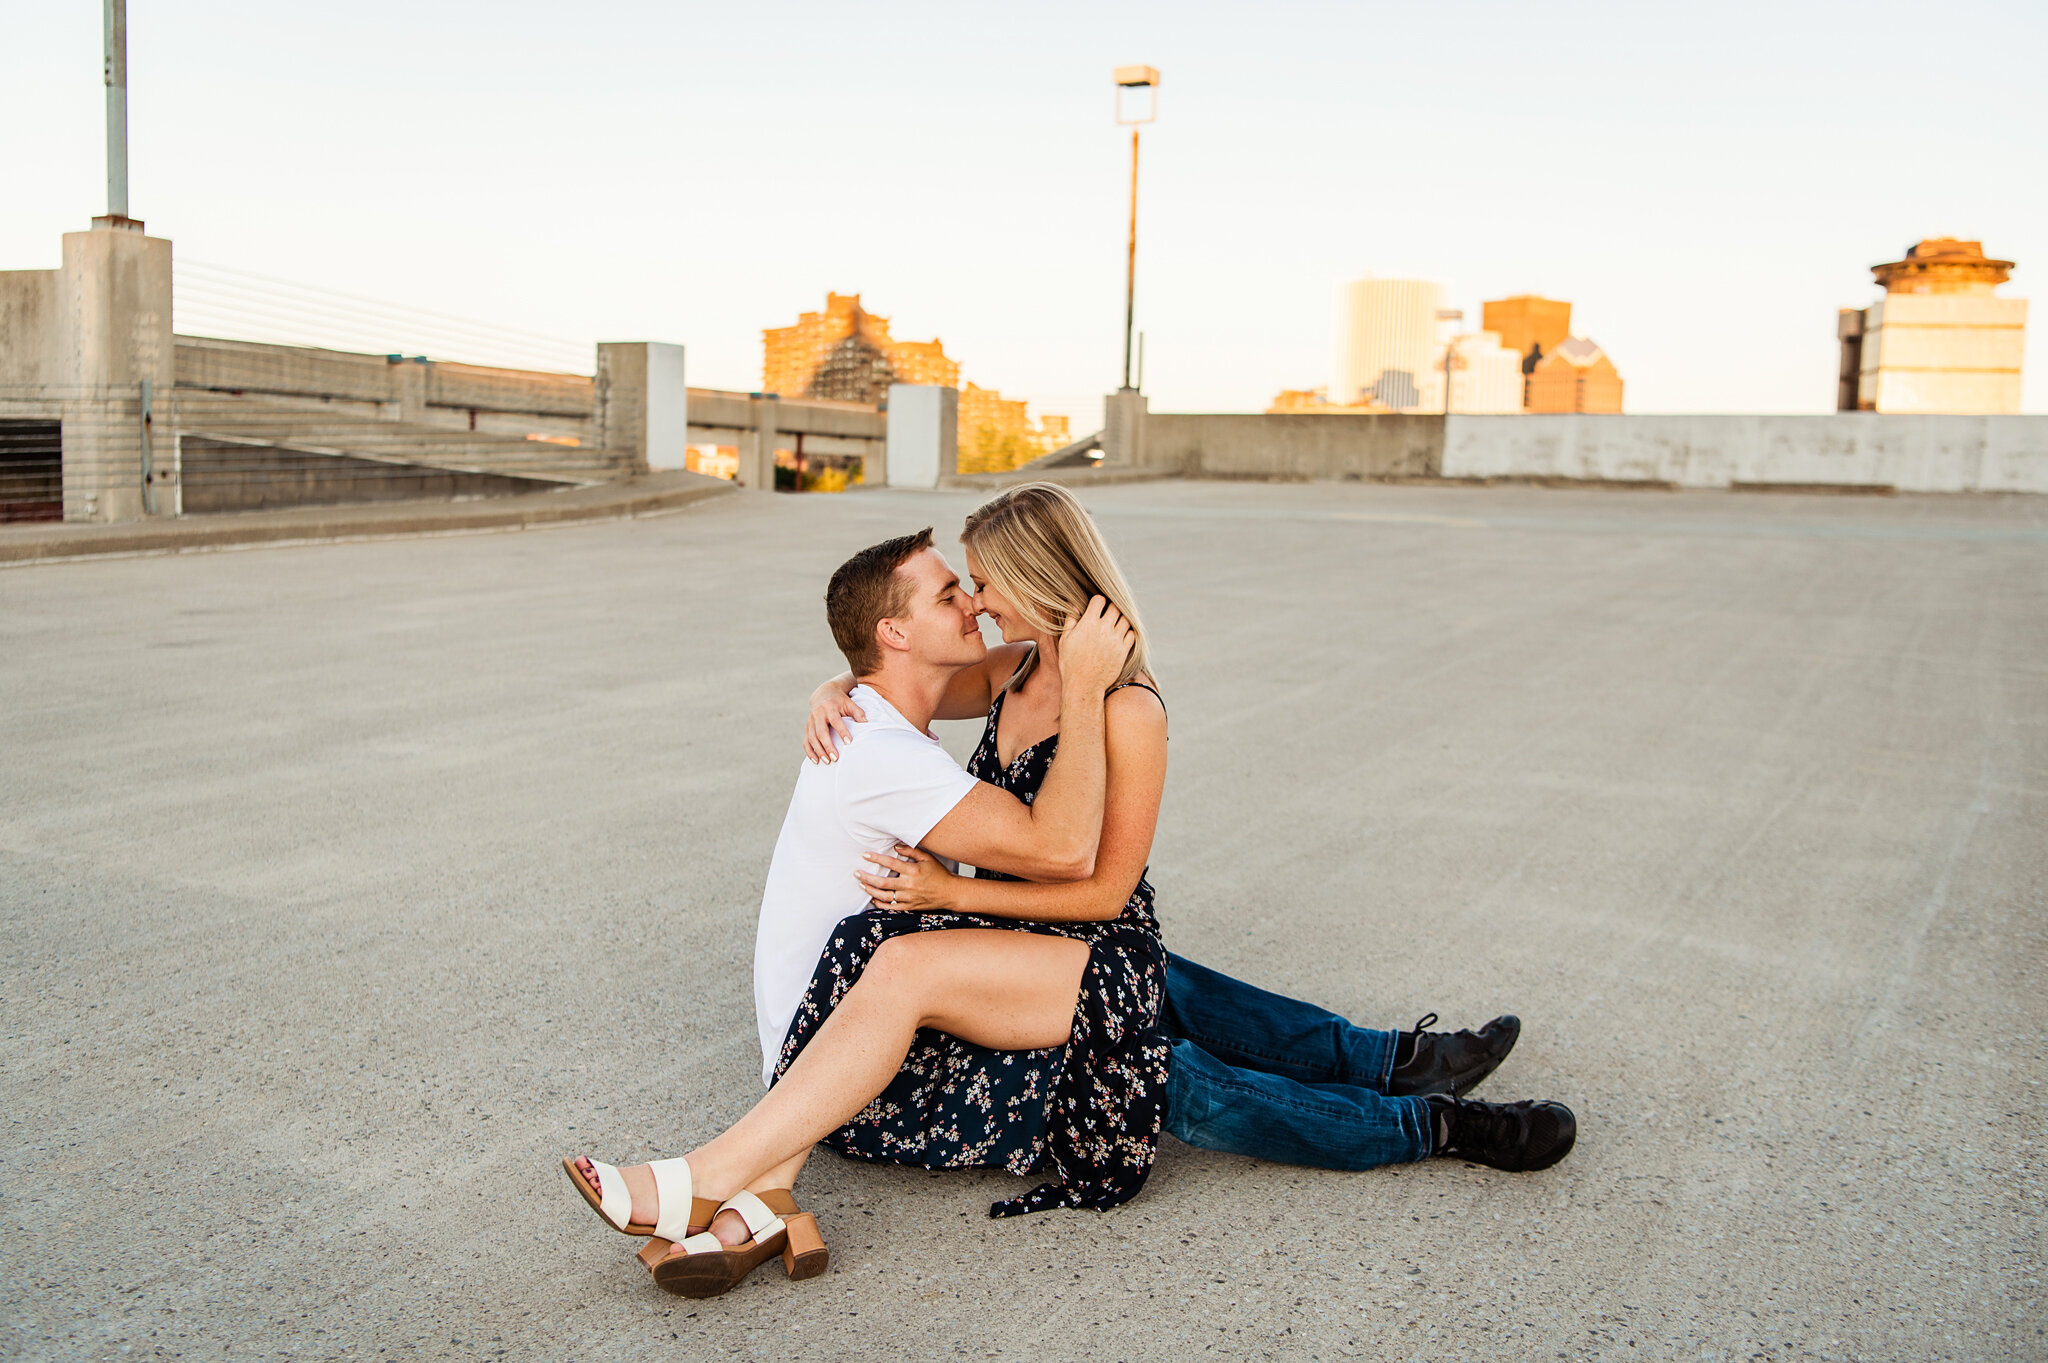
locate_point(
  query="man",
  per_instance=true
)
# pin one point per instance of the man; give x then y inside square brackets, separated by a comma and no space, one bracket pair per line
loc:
[1249,1072]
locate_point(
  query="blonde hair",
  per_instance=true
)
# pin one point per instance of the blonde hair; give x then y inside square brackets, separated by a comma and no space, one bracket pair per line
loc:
[1041,549]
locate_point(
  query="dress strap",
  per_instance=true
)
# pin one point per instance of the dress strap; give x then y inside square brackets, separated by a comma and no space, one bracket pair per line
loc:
[1024,668]
[1135,682]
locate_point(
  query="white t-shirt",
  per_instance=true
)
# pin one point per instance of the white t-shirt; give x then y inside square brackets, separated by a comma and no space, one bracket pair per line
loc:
[892,783]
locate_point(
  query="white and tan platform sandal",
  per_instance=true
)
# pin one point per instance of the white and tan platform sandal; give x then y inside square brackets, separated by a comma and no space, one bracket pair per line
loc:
[680,1212]
[693,1268]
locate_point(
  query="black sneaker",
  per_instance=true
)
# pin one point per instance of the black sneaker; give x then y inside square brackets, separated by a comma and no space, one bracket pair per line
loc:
[1518,1137]
[1453,1062]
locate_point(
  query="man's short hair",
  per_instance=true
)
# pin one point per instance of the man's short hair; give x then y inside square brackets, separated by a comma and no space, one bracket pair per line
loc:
[867,590]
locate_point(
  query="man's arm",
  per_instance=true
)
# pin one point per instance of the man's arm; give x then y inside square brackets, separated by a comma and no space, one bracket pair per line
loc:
[1054,837]
[912,879]
[973,688]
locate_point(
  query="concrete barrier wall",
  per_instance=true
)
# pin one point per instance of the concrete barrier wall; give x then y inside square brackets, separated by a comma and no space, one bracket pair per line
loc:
[719,409]
[1231,445]
[1846,449]
[508,401]
[28,328]
[508,390]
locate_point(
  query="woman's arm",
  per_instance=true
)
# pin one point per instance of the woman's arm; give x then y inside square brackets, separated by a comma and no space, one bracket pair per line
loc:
[831,707]
[968,696]
[1136,741]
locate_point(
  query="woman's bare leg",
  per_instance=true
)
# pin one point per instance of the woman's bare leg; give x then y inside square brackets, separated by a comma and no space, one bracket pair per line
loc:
[991,987]
[782,1175]
[987,986]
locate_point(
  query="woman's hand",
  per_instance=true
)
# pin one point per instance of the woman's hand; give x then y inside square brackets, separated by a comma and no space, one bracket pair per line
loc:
[920,882]
[1093,646]
[831,706]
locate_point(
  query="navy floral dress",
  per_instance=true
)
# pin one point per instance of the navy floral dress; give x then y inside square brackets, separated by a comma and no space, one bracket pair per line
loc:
[1088,1112]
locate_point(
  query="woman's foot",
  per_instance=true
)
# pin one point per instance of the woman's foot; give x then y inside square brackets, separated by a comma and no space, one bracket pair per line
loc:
[639,1179]
[639,1182]
[707,1266]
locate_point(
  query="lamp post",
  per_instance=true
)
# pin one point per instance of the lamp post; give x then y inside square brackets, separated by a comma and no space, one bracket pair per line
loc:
[1452,360]
[114,73]
[1144,78]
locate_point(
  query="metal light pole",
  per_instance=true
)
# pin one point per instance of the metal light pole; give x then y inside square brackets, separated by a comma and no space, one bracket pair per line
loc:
[115,72]
[1144,78]
[1451,358]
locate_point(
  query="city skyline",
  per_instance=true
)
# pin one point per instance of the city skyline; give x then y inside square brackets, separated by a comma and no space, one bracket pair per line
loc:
[581,184]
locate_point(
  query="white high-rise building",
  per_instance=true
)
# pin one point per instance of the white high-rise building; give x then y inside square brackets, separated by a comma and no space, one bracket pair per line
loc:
[1390,344]
[1485,376]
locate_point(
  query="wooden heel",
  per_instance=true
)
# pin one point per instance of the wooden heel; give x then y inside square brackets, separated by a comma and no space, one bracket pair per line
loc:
[804,1254]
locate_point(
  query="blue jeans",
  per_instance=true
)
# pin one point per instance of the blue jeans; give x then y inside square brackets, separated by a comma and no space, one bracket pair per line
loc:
[1255,1073]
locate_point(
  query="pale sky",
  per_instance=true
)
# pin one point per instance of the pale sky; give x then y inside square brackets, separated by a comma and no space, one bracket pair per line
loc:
[1706,184]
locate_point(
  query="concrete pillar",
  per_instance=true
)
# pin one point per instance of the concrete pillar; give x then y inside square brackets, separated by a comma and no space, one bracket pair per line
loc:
[874,465]
[668,408]
[113,333]
[924,434]
[757,448]
[1123,428]
[643,403]
[408,401]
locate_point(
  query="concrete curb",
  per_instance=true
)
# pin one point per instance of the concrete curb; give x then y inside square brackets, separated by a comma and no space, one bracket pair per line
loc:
[1070,477]
[643,496]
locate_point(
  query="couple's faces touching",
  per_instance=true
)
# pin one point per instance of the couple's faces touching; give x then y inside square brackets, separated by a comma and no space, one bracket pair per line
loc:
[943,623]
[994,604]
[942,626]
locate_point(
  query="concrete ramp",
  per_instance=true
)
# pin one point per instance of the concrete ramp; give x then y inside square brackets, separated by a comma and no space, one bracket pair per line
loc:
[313,427]
[217,474]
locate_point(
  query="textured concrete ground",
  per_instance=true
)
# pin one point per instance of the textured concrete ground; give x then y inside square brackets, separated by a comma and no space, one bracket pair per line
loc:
[345,888]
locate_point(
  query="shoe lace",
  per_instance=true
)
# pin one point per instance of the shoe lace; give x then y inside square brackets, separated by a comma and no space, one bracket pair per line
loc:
[1492,1124]
[1423,1023]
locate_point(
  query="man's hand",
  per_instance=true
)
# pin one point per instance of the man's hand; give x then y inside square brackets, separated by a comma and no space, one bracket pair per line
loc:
[831,706]
[1093,648]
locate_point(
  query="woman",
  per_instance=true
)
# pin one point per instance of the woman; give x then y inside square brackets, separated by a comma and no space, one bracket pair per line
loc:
[1021,1026]
[1091,1108]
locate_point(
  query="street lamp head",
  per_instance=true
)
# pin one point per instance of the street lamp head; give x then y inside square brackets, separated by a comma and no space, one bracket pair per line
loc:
[1144,78]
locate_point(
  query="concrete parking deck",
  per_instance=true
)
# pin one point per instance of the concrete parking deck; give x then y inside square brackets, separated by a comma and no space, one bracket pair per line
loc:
[347,887]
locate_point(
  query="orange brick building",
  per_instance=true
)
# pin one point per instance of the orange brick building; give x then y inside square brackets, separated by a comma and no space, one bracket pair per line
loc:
[1530,326]
[1576,376]
[997,434]
[1527,323]
[846,353]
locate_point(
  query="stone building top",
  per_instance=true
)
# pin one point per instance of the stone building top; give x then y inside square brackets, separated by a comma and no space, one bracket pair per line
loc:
[1579,351]
[1943,265]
